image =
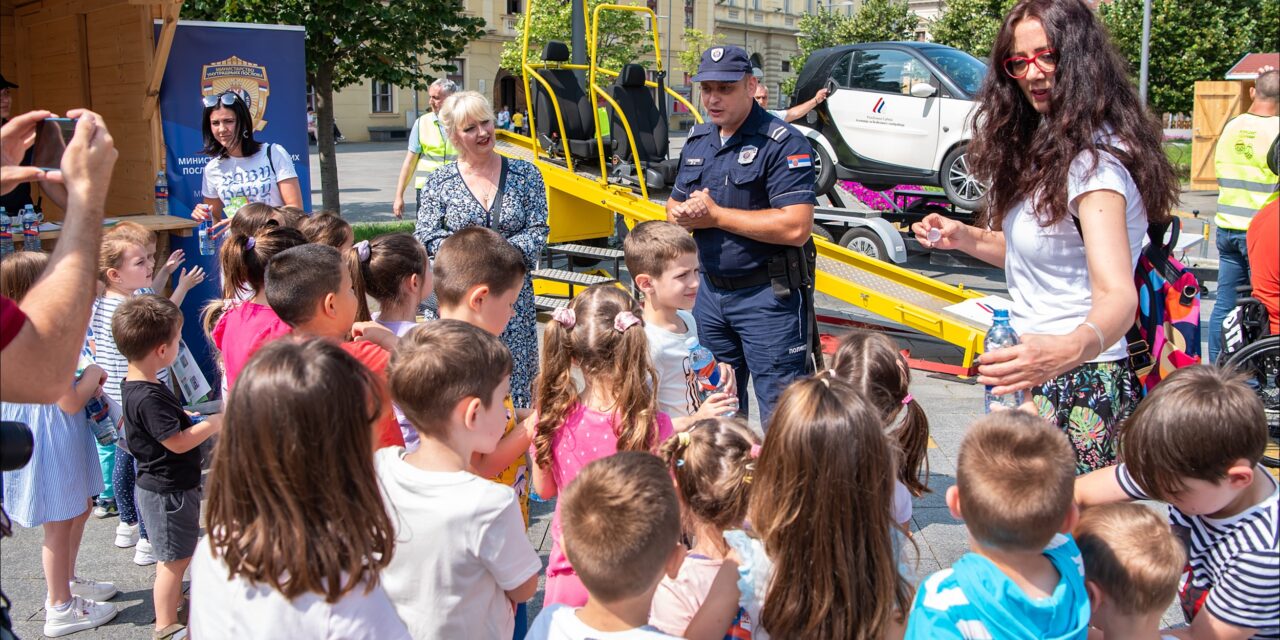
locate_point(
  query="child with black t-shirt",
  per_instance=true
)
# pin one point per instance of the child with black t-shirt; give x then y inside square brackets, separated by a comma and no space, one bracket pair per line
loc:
[161,436]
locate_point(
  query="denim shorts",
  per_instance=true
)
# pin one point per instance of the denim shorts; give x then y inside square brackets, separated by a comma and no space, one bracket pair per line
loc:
[173,522]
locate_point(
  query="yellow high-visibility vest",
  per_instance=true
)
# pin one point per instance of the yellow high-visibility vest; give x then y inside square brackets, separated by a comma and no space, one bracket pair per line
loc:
[1245,183]
[436,151]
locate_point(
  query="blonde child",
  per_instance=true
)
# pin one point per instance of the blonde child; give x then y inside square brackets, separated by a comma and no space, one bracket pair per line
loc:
[53,490]
[463,559]
[662,259]
[187,279]
[822,559]
[1132,563]
[872,364]
[622,530]
[713,464]
[601,334]
[245,326]
[329,229]
[124,268]
[276,562]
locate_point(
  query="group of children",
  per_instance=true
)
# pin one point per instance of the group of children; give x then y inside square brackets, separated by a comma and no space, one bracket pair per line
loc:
[371,477]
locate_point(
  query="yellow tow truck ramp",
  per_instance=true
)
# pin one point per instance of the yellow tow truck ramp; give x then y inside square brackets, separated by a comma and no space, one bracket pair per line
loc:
[582,200]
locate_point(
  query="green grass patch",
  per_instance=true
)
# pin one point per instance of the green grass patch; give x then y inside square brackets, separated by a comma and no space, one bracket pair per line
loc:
[1179,155]
[371,230]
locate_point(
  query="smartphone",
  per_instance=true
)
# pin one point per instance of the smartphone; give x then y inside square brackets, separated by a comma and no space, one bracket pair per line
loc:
[52,136]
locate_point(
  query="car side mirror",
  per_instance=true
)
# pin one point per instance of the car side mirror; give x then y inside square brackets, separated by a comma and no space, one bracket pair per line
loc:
[923,90]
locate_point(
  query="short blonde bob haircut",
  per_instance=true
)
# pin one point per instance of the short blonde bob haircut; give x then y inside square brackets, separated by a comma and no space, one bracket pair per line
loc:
[462,108]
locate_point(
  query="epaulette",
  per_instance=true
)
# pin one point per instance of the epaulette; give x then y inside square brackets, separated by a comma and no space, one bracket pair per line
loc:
[701,129]
[777,130]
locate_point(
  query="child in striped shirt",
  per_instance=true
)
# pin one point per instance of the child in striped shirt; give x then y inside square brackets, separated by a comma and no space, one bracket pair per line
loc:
[1195,443]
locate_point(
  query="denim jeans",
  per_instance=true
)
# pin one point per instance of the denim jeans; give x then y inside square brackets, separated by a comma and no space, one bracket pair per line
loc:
[1233,271]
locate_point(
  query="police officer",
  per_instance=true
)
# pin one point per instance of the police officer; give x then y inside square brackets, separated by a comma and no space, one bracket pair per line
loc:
[429,147]
[745,188]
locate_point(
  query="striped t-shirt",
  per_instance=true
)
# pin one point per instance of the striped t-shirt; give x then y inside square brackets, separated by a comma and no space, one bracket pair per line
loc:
[1233,562]
[106,354]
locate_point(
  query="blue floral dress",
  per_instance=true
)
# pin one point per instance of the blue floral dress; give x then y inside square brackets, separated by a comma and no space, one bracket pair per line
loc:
[449,206]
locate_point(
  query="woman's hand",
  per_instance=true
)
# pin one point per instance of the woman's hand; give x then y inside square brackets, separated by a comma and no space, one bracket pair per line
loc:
[220,228]
[1037,359]
[202,212]
[937,231]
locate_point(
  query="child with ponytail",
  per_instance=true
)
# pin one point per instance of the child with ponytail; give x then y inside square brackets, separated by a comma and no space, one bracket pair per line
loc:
[872,364]
[247,325]
[712,464]
[602,335]
[821,560]
[394,271]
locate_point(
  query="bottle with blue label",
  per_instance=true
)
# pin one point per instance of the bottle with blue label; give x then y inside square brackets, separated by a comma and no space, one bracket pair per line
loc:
[101,412]
[162,195]
[707,371]
[205,233]
[999,336]
[30,229]
[6,233]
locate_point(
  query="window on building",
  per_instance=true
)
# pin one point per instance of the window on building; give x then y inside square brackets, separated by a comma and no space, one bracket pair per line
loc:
[688,14]
[786,66]
[382,97]
[513,7]
[459,74]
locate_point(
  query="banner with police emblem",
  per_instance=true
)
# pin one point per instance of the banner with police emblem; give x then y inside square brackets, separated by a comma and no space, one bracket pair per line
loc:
[266,66]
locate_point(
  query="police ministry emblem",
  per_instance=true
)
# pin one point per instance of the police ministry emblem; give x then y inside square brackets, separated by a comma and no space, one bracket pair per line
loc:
[244,78]
[747,155]
[717,53]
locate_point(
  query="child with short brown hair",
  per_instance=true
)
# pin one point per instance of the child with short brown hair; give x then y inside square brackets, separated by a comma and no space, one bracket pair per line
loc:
[330,229]
[1132,563]
[622,533]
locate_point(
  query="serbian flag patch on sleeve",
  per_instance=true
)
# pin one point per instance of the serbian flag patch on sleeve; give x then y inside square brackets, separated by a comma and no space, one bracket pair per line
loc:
[799,161]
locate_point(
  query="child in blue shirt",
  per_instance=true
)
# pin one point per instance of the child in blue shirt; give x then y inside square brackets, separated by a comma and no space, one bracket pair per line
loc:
[1024,577]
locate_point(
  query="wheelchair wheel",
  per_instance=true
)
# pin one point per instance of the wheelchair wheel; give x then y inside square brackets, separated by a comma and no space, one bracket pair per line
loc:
[1260,360]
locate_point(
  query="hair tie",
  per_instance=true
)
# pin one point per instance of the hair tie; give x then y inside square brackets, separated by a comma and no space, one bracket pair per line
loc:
[683,438]
[362,250]
[625,320]
[908,398]
[565,316]
[755,451]
[250,243]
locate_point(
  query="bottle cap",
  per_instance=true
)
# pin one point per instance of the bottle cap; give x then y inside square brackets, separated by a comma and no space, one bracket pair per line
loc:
[1000,314]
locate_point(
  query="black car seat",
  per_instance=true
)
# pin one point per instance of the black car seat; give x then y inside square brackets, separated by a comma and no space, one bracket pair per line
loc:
[648,124]
[575,106]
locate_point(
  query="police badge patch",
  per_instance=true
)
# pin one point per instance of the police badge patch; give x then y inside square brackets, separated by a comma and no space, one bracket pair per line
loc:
[747,155]
[717,53]
[239,76]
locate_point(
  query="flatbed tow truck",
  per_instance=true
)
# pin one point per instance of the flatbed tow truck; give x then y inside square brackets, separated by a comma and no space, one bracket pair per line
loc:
[583,122]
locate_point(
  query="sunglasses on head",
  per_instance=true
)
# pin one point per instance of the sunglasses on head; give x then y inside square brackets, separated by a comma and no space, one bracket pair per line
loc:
[227,99]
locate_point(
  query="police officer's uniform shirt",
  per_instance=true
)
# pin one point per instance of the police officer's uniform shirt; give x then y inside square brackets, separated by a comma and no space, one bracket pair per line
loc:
[766,164]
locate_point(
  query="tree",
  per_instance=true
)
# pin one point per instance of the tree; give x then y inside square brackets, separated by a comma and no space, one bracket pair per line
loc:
[352,40]
[970,25]
[875,21]
[623,37]
[695,42]
[1190,40]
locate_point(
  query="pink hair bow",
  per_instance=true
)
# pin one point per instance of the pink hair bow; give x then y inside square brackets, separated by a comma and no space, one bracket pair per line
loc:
[625,320]
[565,316]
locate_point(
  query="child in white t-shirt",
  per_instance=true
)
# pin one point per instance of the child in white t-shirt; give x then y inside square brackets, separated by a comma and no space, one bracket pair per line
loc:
[663,261]
[462,560]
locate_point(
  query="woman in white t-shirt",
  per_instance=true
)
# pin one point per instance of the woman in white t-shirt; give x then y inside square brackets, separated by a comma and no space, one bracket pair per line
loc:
[241,170]
[1076,174]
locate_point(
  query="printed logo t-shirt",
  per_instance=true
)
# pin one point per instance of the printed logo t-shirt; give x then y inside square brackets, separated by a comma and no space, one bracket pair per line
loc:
[250,177]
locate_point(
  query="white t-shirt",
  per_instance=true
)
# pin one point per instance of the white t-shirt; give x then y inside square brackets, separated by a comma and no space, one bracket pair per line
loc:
[1045,267]
[460,545]
[677,390]
[250,177]
[560,622]
[239,609]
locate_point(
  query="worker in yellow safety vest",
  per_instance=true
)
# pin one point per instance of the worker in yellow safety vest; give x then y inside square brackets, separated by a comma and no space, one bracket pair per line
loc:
[429,147]
[1245,184]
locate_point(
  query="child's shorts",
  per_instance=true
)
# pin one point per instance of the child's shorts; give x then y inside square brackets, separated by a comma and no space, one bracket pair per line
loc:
[173,522]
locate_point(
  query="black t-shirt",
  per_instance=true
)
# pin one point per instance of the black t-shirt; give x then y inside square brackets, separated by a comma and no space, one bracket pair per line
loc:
[152,414]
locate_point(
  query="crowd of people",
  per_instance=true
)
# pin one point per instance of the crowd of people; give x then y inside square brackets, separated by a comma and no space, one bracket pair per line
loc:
[370,471]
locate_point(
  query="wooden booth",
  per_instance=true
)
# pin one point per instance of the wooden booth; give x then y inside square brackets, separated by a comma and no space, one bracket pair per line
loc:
[1216,102]
[101,55]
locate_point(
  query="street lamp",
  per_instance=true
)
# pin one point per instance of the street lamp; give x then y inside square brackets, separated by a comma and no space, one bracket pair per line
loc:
[666,66]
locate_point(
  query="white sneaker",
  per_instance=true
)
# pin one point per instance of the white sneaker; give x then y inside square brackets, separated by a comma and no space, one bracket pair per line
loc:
[142,553]
[82,614]
[92,589]
[126,535]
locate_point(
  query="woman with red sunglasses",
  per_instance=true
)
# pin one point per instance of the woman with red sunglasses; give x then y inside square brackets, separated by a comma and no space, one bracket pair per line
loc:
[1076,173]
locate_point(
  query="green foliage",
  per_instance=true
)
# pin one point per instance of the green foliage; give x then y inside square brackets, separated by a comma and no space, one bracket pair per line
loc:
[875,21]
[1190,40]
[623,36]
[695,42]
[1179,155]
[371,230]
[970,25]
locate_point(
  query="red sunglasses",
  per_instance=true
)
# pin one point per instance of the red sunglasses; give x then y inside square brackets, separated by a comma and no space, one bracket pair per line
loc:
[1017,66]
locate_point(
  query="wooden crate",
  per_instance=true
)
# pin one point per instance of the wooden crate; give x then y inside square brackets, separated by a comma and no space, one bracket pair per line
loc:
[1216,102]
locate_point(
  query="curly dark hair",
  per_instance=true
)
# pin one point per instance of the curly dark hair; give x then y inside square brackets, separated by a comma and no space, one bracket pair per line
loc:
[1021,153]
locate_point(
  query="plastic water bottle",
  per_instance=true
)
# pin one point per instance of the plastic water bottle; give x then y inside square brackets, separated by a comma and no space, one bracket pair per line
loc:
[206,238]
[162,195]
[1001,335]
[101,420]
[6,233]
[30,229]
[707,371]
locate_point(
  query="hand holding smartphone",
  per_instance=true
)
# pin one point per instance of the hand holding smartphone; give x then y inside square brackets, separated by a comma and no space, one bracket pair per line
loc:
[52,137]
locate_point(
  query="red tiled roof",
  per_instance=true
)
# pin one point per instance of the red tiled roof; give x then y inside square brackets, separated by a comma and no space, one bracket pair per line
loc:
[1247,68]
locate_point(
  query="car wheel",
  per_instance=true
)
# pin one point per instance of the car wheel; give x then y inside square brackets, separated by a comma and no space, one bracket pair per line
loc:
[959,183]
[864,241]
[824,169]
[821,232]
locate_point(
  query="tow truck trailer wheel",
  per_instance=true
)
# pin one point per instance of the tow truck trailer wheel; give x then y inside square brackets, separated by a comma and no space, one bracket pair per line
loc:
[864,241]
[821,232]
[824,168]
